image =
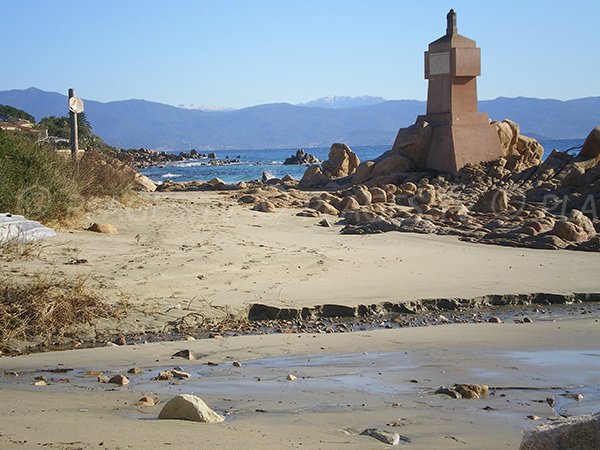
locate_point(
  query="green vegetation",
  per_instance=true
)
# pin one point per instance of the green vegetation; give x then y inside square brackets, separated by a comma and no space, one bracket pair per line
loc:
[12,114]
[44,185]
[60,127]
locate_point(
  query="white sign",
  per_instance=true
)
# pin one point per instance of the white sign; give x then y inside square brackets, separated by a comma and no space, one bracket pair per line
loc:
[76,105]
[439,63]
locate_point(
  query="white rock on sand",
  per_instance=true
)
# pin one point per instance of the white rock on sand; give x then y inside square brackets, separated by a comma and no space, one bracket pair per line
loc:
[189,407]
[14,227]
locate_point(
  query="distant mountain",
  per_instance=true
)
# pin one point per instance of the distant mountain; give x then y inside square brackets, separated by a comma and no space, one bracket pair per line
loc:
[140,123]
[342,102]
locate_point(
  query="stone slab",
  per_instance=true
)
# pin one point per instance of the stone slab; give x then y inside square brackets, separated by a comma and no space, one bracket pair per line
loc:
[15,227]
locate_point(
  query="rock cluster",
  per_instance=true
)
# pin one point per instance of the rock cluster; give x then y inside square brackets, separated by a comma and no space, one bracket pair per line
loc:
[142,157]
[341,162]
[516,200]
[301,158]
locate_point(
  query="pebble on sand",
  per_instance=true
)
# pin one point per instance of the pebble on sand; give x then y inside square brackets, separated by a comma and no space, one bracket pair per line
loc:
[119,379]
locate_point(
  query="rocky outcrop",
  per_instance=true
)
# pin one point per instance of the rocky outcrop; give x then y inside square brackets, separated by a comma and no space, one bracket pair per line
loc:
[301,158]
[591,146]
[413,143]
[548,205]
[520,152]
[313,176]
[341,161]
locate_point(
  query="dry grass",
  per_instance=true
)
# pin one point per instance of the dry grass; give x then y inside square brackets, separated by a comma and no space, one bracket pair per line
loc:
[48,308]
[103,175]
[17,249]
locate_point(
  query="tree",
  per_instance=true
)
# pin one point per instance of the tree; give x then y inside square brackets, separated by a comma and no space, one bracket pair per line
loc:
[11,114]
[61,127]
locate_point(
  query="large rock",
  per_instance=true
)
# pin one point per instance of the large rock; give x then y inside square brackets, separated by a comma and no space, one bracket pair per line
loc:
[341,162]
[572,433]
[189,407]
[591,146]
[569,231]
[508,133]
[313,176]
[142,183]
[413,143]
[265,206]
[393,163]
[495,200]
[363,172]
[324,207]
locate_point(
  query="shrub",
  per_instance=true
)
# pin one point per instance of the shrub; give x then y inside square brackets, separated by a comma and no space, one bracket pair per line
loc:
[100,174]
[35,181]
[44,185]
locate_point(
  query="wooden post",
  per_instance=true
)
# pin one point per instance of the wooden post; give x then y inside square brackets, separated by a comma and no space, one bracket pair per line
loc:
[73,123]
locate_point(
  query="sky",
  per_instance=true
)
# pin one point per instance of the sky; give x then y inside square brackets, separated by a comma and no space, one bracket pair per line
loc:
[236,53]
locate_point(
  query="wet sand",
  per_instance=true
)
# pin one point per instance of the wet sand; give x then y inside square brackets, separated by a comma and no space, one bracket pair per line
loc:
[346,383]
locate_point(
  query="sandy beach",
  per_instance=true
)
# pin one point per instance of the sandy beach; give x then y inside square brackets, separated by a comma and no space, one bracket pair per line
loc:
[183,252]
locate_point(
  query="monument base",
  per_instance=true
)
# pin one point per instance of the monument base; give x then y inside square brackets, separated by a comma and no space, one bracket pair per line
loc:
[459,139]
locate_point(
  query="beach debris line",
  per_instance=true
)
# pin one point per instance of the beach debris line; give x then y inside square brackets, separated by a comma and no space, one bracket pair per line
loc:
[189,407]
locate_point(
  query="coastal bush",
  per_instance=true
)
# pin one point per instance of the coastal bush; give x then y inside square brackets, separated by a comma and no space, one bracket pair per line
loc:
[100,174]
[43,185]
[35,181]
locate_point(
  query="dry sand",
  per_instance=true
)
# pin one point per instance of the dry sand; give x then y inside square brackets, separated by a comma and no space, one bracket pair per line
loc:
[192,248]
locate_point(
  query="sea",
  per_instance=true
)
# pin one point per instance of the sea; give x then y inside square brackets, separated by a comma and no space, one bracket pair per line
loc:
[252,163]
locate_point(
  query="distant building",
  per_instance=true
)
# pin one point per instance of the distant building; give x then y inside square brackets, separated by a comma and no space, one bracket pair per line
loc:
[26,127]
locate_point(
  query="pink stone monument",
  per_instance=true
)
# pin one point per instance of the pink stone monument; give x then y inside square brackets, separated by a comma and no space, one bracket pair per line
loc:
[461,134]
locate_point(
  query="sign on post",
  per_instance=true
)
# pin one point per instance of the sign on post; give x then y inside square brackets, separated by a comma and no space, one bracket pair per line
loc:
[76,105]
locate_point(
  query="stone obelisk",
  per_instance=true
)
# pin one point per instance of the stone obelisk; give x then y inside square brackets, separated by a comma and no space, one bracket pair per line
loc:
[461,134]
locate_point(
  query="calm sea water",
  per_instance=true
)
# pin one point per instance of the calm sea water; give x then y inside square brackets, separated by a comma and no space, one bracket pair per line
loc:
[254,162]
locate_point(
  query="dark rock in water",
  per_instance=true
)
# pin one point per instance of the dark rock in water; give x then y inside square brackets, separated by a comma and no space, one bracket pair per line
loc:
[579,432]
[301,158]
[212,156]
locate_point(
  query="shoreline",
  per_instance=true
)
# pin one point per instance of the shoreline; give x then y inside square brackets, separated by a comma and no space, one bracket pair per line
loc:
[346,383]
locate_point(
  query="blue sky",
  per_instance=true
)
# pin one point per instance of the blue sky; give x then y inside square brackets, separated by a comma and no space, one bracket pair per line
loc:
[240,53]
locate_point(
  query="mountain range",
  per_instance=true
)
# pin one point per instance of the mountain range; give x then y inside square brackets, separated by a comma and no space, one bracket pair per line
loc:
[375,121]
